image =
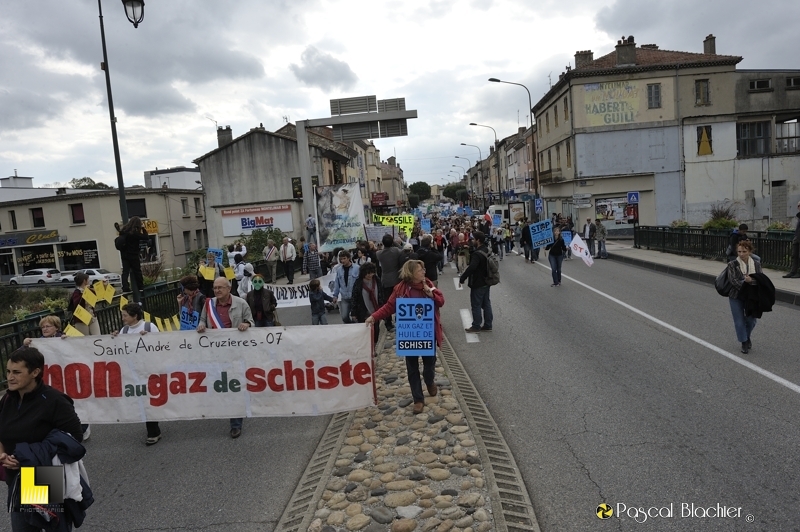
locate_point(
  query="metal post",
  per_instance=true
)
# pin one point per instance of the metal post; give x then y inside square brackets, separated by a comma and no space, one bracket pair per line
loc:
[304,160]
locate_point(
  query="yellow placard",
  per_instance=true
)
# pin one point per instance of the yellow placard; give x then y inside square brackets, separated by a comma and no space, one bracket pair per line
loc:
[69,330]
[151,226]
[167,325]
[122,301]
[159,323]
[206,273]
[82,314]
[99,289]
[89,297]
[176,322]
[229,275]
[109,293]
[147,317]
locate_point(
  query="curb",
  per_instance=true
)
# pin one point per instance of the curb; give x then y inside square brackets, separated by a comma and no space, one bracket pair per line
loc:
[784,296]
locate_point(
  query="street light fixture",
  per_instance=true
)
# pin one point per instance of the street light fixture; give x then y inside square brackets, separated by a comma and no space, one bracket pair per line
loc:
[134,10]
[496,154]
[530,116]
[480,179]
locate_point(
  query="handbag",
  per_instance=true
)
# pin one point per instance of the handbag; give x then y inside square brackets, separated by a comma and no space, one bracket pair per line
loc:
[723,284]
[277,323]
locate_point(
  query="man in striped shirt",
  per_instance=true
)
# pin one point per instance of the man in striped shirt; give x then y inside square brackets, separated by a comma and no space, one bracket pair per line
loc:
[311,262]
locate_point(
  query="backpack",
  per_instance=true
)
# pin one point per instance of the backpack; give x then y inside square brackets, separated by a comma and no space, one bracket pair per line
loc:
[492,269]
[147,328]
[119,242]
[723,284]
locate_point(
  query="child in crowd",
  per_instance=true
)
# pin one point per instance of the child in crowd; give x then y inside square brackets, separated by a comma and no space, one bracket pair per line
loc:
[318,298]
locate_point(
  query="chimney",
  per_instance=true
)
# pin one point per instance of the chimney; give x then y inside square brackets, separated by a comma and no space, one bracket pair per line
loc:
[583,58]
[224,135]
[392,161]
[626,52]
[710,45]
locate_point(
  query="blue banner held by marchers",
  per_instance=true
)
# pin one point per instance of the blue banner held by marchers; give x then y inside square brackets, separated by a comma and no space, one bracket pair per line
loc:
[415,327]
[541,234]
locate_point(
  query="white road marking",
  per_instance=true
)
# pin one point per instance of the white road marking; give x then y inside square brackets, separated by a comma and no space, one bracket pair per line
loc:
[466,321]
[453,264]
[458,285]
[749,365]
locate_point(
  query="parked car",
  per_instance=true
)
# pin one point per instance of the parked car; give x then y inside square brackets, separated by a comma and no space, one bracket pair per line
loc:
[95,274]
[40,276]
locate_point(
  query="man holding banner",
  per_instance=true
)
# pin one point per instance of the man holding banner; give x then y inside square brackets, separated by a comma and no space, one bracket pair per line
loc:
[226,311]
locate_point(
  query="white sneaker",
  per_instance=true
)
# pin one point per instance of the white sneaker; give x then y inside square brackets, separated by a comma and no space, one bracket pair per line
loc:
[87,433]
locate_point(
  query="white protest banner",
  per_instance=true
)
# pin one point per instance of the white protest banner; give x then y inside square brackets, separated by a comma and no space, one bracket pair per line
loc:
[579,248]
[222,373]
[296,295]
[341,216]
[375,232]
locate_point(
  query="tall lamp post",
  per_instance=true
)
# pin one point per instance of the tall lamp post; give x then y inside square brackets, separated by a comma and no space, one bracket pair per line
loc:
[480,178]
[134,10]
[463,175]
[496,154]
[471,190]
[530,116]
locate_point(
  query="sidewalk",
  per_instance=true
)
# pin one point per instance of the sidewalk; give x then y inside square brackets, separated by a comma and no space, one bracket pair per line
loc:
[786,290]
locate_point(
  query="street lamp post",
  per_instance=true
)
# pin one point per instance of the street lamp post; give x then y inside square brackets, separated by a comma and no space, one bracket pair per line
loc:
[496,155]
[471,190]
[134,10]
[464,175]
[530,116]
[480,177]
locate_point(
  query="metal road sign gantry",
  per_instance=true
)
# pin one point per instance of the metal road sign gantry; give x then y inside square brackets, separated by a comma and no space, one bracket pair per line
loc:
[363,117]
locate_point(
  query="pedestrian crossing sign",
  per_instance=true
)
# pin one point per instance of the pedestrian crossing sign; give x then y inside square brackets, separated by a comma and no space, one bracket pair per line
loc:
[633,197]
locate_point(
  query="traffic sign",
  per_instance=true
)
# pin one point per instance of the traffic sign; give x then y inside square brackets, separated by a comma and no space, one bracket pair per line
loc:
[582,202]
[526,197]
[538,207]
[633,197]
[581,196]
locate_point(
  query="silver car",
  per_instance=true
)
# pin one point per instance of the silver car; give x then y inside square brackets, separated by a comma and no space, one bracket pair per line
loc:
[39,276]
[95,274]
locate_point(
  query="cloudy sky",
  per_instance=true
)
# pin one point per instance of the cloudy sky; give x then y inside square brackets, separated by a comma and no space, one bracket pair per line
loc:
[193,62]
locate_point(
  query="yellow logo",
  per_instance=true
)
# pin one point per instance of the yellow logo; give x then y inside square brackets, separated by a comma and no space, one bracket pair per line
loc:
[50,489]
[604,511]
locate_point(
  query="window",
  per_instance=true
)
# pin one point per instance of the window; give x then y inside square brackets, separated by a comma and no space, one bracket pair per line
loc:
[12,217]
[541,160]
[654,96]
[558,157]
[198,235]
[76,210]
[566,110]
[704,140]
[787,137]
[37,215]
[369,158]
[136,207]
[702,94]
[198,207]
[569,155]
[547,121]
[760,84]
[753,138]
[555,115]
[792,83]
[549,160]
[185,206]
[187,241]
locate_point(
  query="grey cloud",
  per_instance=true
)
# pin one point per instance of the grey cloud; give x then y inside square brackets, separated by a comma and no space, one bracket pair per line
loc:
[142,99]
[22,109]
[322,70]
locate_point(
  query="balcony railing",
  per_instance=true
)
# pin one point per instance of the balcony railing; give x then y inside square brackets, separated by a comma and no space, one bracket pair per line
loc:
[773,247]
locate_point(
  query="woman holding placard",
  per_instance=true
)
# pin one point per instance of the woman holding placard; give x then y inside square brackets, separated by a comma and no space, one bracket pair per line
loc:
[83,298]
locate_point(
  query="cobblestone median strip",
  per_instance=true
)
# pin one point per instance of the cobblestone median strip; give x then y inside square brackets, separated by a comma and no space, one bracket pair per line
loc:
[383,468]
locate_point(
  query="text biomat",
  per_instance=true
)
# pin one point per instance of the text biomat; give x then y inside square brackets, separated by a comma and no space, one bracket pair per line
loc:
[104,380]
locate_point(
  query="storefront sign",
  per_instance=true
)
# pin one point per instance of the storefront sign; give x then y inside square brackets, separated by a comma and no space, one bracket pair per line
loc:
[379,199]
[243,220]
[28,238]
[151,226]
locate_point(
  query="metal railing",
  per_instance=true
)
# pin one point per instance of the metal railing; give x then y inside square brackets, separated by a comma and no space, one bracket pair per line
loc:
[774,247]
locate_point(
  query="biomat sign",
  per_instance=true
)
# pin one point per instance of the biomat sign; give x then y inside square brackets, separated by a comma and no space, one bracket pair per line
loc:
[217,374]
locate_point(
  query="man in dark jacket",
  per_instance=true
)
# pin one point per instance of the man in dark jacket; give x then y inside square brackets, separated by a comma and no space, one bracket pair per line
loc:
[391,259]
[133,234]
[794,273]
[476,272]
[525,240]
[431,258]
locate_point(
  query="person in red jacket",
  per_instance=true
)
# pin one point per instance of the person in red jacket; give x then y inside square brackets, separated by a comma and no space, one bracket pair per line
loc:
[414,284]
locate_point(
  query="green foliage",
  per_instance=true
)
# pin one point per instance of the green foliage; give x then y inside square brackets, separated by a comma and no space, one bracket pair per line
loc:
[413,201]
[679,223]
[192,261]
[722,216]
[721,223]
[17,303]
[257,241]
[87,182]
[779,226]
[421,189]
[452,191]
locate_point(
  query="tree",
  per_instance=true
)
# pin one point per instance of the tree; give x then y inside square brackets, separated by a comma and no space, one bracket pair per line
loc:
[454,191]
[413,201]
[87,182]
[421,189]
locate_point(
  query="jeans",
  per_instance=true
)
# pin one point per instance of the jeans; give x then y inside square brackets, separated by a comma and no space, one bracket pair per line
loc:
[236,423]
[555,267]
[311,236]
[601,249]
[265,323]
[288,269]
[479,298]
[501,249]
[319,319]
[744,325]
[345,306]
[527,248]
[428,374]
[590,244]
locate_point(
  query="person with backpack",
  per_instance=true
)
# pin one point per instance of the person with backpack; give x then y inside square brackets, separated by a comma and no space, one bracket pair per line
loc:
[127,243]
[556,257]
[311,229]
[133,320]
[479,284]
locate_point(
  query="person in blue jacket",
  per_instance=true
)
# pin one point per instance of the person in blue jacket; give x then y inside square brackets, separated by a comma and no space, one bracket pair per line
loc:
[346,277]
